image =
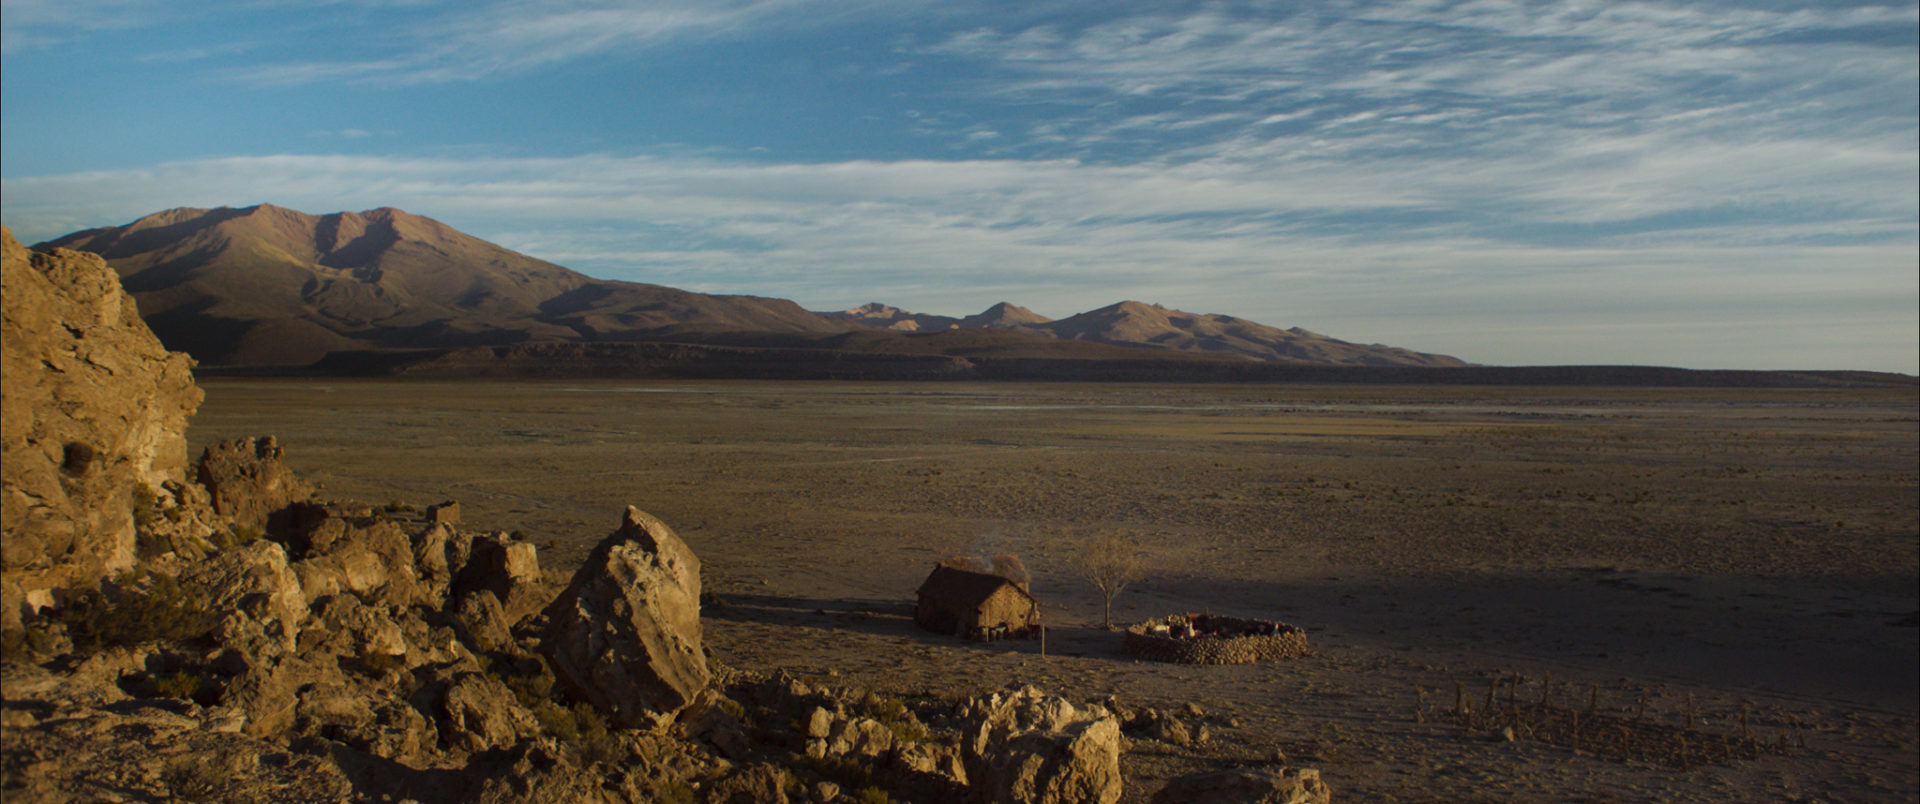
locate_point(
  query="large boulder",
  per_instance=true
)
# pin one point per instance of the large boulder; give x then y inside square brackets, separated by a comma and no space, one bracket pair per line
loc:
[1247,786]
[625,634]
[256,594]
[477,713]
[1026,747]
[93,411]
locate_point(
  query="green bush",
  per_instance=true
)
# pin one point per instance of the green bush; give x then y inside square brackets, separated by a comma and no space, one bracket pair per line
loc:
[894,714]
[181,684]
[849,772]
[192,778]
[143,502]
[21,644]
[134,608]
[234,536]
[581,727]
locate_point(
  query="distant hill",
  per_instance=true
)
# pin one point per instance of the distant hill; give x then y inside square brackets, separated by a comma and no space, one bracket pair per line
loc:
[1005,316]
[875,314]
[1132,323]
[266,286]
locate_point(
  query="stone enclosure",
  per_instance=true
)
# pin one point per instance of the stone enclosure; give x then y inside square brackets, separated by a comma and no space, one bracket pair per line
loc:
[1208,639]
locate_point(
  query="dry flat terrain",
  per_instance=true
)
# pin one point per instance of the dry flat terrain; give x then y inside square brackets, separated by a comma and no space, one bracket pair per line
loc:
[1748,556]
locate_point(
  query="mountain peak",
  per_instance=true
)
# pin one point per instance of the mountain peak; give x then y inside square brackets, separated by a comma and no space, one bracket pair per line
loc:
[266,285]
[1004,315]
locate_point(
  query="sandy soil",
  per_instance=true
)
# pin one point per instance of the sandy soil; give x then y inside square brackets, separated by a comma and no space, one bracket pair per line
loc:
[1755,550]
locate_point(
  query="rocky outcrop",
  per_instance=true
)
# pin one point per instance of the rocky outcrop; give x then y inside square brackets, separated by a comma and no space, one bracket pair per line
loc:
[625,634]
[1247,786]
[506,568]
[249,480]
[92,418]
[1028,747]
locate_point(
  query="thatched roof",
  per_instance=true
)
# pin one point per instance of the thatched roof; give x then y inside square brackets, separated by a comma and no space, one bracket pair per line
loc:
[957,587]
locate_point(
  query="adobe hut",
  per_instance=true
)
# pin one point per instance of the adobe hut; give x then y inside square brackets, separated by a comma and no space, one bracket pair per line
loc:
[976,605]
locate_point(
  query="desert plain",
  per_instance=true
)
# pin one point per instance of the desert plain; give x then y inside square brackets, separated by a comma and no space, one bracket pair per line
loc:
[1747,559]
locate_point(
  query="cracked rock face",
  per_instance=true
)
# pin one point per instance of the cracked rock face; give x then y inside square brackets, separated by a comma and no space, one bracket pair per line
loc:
[626,632]
[93,408]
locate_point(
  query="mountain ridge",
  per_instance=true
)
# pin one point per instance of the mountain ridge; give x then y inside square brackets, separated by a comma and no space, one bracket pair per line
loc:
[269,286]
[1136,323]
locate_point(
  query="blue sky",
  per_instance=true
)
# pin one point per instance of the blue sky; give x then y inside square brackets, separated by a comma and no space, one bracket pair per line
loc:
[1700,184]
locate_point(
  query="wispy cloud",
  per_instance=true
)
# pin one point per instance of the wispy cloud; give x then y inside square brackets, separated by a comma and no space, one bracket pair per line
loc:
[487,40]
[28,24]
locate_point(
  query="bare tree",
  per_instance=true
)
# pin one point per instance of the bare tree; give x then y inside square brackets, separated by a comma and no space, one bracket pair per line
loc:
[1109,560]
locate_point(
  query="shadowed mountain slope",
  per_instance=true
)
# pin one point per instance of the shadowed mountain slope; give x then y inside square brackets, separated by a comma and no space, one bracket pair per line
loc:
[270,286]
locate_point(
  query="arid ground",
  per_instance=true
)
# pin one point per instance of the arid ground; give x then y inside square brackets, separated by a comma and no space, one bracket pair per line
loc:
[1755,552]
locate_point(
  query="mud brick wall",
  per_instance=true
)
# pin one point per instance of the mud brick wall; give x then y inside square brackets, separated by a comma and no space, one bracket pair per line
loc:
[1289,642]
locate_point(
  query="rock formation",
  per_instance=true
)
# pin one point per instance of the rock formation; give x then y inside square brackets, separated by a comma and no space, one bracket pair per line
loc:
[626,632]
[93,419]
[248,479]
[1028,747]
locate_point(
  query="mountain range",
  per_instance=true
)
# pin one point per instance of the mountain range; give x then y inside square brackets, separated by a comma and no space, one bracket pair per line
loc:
[268,286]
[1138,323]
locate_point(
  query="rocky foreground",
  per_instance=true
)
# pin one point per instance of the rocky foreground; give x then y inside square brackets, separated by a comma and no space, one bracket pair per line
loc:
[220,634]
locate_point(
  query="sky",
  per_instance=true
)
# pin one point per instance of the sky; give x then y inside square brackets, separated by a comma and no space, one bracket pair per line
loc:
[1701,184]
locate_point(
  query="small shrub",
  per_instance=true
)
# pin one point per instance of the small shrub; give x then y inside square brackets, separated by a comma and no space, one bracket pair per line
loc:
[181,684]
[596,743]
[581,727]
[894,714]
[191,778]
[143,502]
[121,614]
[528,677]
[848,772]
[557,721]
[22,644]
[872,795]
[234,536]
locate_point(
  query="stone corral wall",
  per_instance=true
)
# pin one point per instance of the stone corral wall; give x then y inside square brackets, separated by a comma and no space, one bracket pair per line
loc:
[1285,642]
